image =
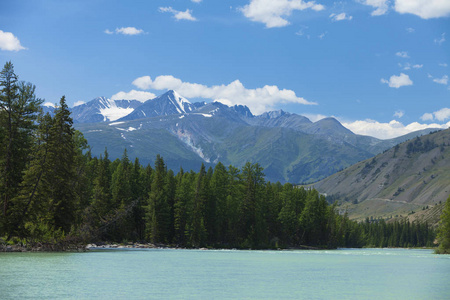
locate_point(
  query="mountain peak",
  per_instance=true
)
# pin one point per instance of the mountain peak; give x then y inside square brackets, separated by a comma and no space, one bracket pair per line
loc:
[169,103]
[274,114]
[243,110]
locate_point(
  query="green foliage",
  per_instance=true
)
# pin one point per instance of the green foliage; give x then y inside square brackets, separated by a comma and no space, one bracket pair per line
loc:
[19,110]
[444,230]
[417,146]
[52,190]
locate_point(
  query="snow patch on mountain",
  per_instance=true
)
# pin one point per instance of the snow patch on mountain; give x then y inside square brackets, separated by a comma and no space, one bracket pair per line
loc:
[127,130]
[111,111]
[180,103]
[116,123]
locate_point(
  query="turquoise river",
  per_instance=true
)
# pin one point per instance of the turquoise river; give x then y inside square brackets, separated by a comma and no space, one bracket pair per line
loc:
[226,274]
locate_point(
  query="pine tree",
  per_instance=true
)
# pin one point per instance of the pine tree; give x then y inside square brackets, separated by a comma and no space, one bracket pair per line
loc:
[195,227]
[444,230]
[19,110]
[62,172]
[157,211]
[219,192]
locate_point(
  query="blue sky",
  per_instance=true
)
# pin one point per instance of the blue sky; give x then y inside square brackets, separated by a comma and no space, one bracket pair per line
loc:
[381,67]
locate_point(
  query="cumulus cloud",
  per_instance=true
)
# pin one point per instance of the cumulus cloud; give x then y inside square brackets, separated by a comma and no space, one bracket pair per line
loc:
[49,104]
[443,80]
[9,42]
[410,30]
[402,54]
[125,31]
[274,13]
[78,103]
[398,81]
[340,17]
[196,1]
[440,40]
[381,6]
[426,9]
[133,95]
[179,15]
[258,100]
[443,65]
[388,130]
[440,115]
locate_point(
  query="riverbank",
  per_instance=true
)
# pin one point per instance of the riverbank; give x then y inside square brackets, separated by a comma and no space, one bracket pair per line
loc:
[47,247]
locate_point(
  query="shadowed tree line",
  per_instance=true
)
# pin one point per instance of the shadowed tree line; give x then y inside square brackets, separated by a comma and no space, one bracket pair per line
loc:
[52,190]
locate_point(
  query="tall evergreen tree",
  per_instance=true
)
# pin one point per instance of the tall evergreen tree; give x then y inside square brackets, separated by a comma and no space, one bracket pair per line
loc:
[19,110]
[196,229]
[444,230]
[62,172]
[158,211]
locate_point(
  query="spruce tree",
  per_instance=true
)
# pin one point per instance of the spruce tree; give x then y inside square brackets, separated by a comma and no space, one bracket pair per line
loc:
[444,230]
[19,110]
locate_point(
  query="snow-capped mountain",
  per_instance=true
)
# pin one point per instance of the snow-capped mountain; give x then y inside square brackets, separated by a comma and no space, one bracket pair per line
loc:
[288,146]
[48,108]
[169,103]
[102,109]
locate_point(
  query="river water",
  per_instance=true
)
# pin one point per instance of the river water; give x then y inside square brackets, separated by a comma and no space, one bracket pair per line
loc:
[226,274]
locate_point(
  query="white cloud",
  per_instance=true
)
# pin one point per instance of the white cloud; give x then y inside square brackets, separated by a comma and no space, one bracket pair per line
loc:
[440,40]
[340,17]
[388,130]
[274,13]
[425,9]
[315,117]
[443,80]
[258,100]
[440,115]
[443,65]
[49,104]
[196,1]
[129,30]
[179,15]
[398,81]
[78,103]
[410,30]
[408,66]
[381,6]
[9,42]
[133,95]
[321,36]
[427,117]
[125,31]
[399,114]
[402,54]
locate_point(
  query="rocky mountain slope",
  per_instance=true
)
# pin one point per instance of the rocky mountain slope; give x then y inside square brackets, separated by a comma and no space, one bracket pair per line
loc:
[290,147]
[404,180]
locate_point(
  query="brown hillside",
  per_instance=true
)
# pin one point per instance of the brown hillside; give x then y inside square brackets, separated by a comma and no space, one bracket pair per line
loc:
[402,180]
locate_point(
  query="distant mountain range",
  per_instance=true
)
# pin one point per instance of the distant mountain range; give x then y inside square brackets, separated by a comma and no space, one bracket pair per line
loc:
[288,146]
[401,181]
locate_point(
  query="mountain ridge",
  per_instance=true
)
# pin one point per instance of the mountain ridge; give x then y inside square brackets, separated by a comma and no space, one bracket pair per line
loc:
[404,179]
[290,147]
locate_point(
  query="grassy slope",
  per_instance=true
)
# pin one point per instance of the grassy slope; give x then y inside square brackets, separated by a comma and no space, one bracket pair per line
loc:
[394,184]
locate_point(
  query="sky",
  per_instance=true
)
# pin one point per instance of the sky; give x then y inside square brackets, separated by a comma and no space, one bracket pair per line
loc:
[381,67]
